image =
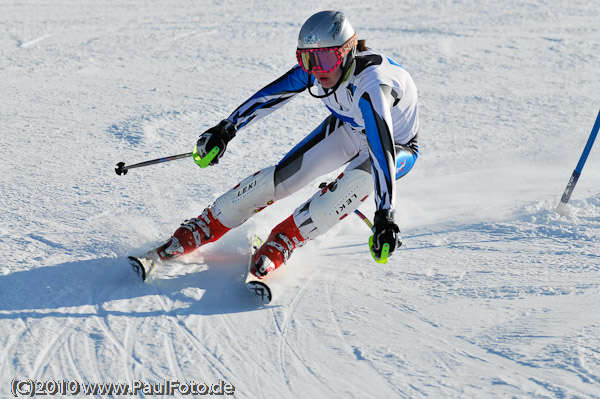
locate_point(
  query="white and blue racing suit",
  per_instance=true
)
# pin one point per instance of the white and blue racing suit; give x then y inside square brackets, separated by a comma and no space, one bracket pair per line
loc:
[372,128]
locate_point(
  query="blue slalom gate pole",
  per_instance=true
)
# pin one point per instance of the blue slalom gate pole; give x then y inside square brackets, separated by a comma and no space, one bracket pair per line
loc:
[577,172]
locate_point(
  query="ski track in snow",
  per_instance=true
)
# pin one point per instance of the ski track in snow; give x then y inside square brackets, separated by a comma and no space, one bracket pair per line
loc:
[35,41]
[492,294]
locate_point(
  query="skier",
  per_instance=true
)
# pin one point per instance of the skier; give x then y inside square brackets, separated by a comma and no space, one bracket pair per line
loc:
[372,129]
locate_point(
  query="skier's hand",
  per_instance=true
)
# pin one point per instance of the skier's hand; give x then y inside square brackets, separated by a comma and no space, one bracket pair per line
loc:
[386,236]
[212,144]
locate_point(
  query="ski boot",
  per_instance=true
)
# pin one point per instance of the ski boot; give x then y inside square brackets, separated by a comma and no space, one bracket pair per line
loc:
[277,249]
[192,234]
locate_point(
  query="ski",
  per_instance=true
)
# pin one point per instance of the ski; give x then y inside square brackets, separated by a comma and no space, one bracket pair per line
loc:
[142,266]
[257,287]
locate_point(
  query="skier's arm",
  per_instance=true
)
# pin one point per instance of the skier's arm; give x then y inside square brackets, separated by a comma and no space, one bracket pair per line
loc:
[271,97]
[212,144]
[375,109]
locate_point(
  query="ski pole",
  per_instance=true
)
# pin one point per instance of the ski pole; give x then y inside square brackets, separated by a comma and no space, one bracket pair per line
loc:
[386,247]
[364,218]
[122,169]
[385,252]
[575,176]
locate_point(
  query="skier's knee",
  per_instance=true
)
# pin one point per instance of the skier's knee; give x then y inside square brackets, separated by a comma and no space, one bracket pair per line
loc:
[250,196]
[333,203]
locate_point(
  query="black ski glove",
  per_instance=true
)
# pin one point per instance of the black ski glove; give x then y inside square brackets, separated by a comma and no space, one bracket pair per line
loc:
[215,137]
[385,231]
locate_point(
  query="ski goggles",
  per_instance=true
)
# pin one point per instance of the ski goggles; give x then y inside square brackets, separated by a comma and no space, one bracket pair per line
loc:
[324,59]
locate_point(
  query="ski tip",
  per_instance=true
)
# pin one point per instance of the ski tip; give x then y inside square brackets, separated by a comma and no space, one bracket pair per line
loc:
[137,267]
[260,290]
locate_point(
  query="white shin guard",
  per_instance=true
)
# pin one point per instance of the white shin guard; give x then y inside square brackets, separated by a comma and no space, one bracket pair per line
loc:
[247,198]
[333,203]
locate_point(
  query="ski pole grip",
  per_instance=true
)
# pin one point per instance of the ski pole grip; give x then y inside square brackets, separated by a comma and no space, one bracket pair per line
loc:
[385,252]
[207,159]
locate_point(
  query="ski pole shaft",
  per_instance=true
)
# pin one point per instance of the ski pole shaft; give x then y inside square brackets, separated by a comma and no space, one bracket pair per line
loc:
[364,218]
[122,169]
[577,172]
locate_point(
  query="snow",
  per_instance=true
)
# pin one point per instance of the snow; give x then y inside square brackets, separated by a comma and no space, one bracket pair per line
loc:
[493,294]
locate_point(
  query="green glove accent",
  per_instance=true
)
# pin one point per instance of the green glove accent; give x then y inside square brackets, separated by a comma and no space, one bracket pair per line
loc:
[204,162]
[385,252]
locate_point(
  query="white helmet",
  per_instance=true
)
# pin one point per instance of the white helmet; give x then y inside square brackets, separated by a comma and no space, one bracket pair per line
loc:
[326,41]
[325,29]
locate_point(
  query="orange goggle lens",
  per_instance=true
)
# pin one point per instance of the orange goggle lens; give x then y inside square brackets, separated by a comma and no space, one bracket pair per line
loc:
[324,59]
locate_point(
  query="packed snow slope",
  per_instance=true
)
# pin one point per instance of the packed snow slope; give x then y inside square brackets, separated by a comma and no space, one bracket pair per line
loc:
[492,295]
